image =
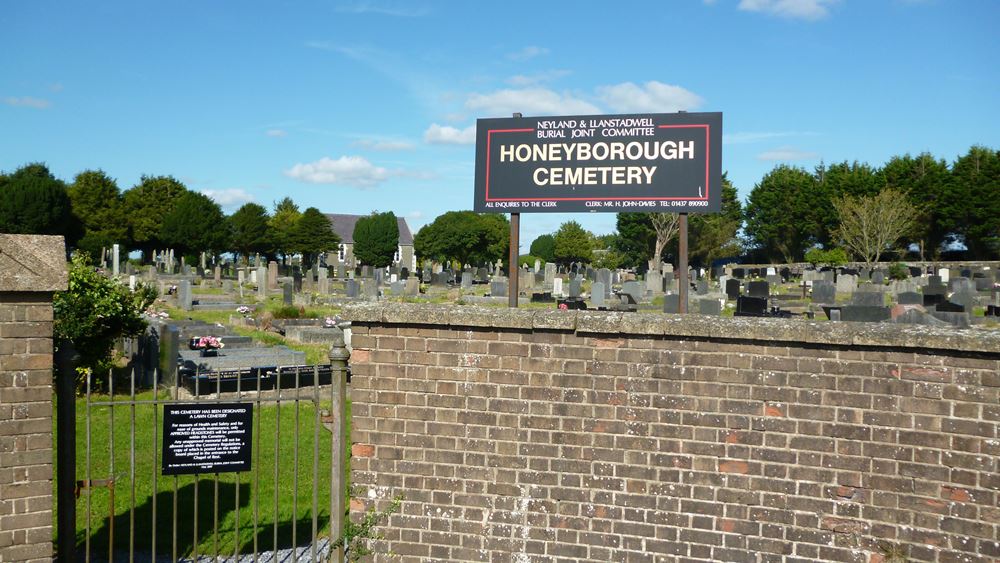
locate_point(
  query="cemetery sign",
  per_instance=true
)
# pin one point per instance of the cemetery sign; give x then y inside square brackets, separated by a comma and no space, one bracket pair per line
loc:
[207,438]
[661,162]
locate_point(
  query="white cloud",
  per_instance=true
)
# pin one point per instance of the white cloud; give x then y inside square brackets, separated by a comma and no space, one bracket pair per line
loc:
[523,80]
[529,101]
[56,87]
[786,154]
[652,97]
[353,171]
[384,145]
[528,52]
[231,197]
[276,133]
[415,214]
[382,8]
[27,102]
[447,135]
[810,10]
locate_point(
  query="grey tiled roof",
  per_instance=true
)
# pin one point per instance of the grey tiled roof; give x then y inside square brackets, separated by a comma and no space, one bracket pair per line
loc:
[343,225]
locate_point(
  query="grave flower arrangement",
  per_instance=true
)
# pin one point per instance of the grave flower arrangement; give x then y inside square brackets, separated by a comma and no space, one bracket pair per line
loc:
[245,310]
[206,343]
[329,322]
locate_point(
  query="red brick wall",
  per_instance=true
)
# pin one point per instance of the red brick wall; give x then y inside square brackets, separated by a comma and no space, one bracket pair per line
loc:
[564,436]
[26,495]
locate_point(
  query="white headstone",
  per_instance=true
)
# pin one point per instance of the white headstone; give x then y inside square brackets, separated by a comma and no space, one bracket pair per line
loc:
[115,257]
[557,287]
[945,274]
[131,282]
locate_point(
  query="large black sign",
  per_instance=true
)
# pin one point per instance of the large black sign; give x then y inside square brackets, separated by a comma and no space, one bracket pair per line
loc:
[668,162]
[207,438]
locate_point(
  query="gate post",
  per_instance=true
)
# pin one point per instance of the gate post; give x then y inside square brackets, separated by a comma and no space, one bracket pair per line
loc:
[339,355]
[32,268]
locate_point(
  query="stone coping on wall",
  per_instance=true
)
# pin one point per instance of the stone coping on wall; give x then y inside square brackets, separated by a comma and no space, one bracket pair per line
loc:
[693,326]
[32,263]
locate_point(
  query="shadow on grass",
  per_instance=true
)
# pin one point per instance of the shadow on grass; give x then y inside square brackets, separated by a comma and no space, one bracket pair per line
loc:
[266,535]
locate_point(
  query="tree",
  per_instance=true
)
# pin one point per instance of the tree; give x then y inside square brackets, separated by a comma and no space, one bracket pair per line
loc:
[665,225]
[146,204]
[714,235]
[870,224]
[313,235]
[972,206]
[925,181]
[465,236]
[835,180]
[544,247]
[98,207]
[376,238]
[783,214]
[636,239]
[94,312]
[195,224]
[248,230]
[573,244]
[282,224]
[33,201]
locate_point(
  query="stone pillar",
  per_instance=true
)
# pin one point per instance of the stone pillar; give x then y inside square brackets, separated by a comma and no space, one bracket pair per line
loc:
[32,267]
[115,260]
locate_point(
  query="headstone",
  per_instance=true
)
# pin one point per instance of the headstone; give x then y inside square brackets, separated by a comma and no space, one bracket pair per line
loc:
[910,298]
[369,288]
[965,298]
[324,284]
[846,283]
[287,290]
[404,273]
[751,306]
[396,287]
[296,281]
[758,289]
[702,287]
[771,272]
[604,277]
[596,294]
[868,299]
[575,287]
[732,289]
[557,287]
[525,280]
[672,303]
[115,259]
[633,290]
[184,300]
[352,288]
[341,271]
[865,313]
[393,278]
[411,287]
[709,306]
[550,273]
[878,278]
[498,287]
[482,275]
[654,282]
[466,280]
[131,282]
[272,275]
[538,265]
[944,274]
[824,291]
[934,294]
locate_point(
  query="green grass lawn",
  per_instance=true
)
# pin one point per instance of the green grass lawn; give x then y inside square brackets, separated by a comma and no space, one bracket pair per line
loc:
[270,489]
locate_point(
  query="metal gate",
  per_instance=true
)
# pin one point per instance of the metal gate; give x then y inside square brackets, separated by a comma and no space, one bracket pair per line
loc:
[288,506]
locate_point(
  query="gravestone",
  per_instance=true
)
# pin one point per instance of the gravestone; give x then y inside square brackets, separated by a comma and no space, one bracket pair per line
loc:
[934,294]
[498,287]
[538,265]
[604,277]
[868,299]
[341,271]
[672,303]
[411,287]
[950,307]
[751,306]
[272,275]
[910,298]
[557,287]
[702,287]
[369,289]
[482,275]
[846,283]
[654,282]
[964,297]
[732,289]
[773,279]
[184,300]
[297,281]
[324,284]
[575,288]
[944,274]
[217,274]
[758,289]
[633,290]
[824,291]
[287,289]
[466,280]
[115,260]
[526,279]
[597,298]
[404,273]
[396,287]
[352,288]
[550,273]
[865,313]
[711,307]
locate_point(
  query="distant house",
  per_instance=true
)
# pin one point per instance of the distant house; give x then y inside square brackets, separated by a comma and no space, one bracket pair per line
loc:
[343,225]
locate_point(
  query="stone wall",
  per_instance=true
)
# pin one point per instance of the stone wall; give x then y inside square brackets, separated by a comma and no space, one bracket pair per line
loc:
[31,268]
[519,435]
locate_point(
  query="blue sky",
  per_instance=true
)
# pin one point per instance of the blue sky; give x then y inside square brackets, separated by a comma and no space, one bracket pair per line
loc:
[353,106]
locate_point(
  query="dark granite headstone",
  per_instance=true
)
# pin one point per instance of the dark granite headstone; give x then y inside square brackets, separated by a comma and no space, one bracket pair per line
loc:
[751,306]
[949,307]
[868,299]
[739,273]
[910,298]
[758,289]
[915,272]
[297,281]
[864,313]
[287,293]
[732,289]
[352,288]
[702,287]
[878,277]
[671,303]
[785,273]
[633,290]
[824,292]
[709,307]
[934,294]
[543,297]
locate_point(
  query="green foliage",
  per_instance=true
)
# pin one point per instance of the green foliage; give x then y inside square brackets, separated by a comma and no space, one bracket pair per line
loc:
[573,244]
[465,236]
[96,311]
[288,312]
[636,239]
[899,271]
[926,182]
[248,230]
[544,246]
[359,536]
[609,259]
[972,206]
[785,213]
[833,257]
[283,220]
[313,235]
[146,205]
[99,210]
[376,238]
[195,224]
[714,235]
[528,260]
[33,201]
